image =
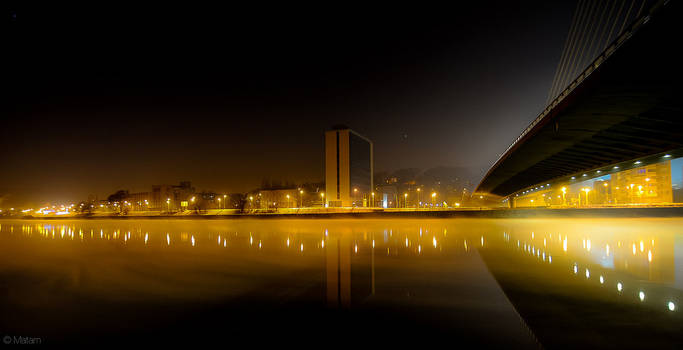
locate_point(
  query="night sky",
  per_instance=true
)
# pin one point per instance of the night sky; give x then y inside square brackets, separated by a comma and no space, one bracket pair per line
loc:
[101,99]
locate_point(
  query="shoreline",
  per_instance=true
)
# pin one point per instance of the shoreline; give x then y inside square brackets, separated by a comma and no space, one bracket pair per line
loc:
[462,213]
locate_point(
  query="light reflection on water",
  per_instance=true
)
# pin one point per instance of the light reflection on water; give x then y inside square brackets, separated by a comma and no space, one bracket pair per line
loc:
[628,268]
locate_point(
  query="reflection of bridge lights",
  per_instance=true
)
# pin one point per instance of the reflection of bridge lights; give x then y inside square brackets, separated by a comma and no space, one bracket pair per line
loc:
[620,287]
[602,280]
[641,295]
[588,274]
[576,269]
[672,306]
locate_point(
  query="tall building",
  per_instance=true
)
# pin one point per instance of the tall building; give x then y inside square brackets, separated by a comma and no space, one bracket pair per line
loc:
[643,185]
[348,168]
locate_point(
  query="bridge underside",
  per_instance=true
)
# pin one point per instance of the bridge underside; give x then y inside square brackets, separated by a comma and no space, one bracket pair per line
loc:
[629,107]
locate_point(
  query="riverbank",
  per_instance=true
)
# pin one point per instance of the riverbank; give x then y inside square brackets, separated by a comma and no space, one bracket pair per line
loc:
[381,213]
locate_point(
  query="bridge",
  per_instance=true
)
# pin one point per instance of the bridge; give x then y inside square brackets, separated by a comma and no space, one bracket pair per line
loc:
[623,109]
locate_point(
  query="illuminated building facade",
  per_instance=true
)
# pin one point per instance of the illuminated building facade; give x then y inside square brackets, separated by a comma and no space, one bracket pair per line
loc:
[348,168]
[631,184]
[643,185]
[169,197]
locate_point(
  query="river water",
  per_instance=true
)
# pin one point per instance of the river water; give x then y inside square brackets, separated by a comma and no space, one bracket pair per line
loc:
[526,283]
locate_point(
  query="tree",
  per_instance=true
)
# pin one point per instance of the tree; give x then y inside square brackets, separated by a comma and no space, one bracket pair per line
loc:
[119,196]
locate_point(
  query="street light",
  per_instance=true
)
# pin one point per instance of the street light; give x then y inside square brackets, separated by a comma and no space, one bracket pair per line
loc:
[373,199]
[219,202]
[564,198]
[405,200]
[586,189]
[322,195]
[288,204]
[433,198]
[168,203]
[301,198]
[224,200]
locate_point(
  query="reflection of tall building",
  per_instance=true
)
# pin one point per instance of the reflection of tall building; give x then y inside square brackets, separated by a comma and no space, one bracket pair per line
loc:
[348,168]
[647,184]
[349,276]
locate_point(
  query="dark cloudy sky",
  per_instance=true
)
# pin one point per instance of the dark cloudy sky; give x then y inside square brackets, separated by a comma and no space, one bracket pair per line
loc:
[124,97]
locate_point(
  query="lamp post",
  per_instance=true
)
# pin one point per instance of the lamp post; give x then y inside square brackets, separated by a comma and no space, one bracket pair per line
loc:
[355,197]
[419,201]
[219,202]
[586,190]
[225,200]
[373,199]
[288,203]
[564,196]
[301,198]
[405,200]
[322,195]
[168,204]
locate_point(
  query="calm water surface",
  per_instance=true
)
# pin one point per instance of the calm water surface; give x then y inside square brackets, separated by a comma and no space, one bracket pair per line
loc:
[508,283]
